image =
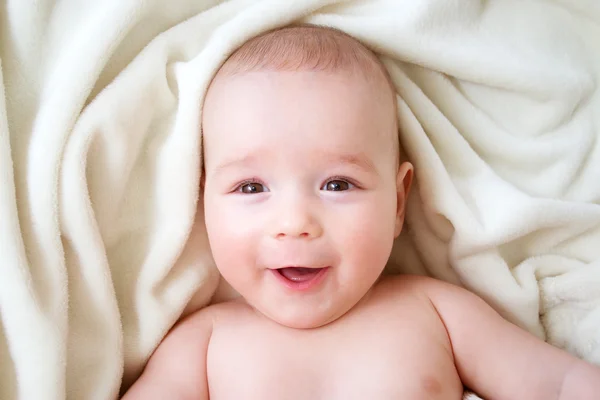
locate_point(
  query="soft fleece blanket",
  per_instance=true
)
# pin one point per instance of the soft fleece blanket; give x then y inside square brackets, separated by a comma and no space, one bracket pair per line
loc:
[101,245]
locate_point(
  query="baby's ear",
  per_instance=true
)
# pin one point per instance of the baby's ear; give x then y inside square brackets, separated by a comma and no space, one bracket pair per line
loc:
[403,184]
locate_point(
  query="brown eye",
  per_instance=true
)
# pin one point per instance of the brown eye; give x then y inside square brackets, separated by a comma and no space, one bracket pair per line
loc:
[251,188]
[336,185]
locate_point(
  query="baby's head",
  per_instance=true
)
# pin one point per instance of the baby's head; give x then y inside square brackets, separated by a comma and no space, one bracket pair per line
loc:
[301,169]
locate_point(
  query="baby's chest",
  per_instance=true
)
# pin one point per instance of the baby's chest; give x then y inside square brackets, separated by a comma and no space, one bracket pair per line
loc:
[378,362]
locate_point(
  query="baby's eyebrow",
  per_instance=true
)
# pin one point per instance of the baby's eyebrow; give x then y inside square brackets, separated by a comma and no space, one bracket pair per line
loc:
[359,160]
[238,162]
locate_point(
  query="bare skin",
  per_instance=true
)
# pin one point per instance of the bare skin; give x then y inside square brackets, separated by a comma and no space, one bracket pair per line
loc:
[409,338]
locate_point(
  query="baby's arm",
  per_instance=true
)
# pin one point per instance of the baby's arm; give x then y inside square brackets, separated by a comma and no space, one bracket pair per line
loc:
[177,369]
[498,360]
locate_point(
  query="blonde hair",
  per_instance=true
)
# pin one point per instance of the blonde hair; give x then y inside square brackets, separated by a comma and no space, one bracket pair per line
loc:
[304,47]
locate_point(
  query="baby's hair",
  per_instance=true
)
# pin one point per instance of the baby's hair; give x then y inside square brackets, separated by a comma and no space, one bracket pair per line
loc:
[308,48]
[304,47]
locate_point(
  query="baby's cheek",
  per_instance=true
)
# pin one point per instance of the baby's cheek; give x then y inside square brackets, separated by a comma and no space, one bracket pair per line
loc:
[371,238]
[231,240]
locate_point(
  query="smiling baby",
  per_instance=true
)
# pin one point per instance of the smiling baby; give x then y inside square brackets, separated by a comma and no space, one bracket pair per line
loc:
[304,193]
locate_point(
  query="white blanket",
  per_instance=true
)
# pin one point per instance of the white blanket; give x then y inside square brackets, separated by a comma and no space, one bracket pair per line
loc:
[101,248]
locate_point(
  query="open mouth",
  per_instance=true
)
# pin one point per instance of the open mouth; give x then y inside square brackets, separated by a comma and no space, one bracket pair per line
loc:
[300,278]
[299,274]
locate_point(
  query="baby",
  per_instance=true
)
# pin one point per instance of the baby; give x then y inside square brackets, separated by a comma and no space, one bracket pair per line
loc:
[304,192]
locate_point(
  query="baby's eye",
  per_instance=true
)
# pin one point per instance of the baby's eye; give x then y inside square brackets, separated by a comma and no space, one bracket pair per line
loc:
[252,187]
[337,185]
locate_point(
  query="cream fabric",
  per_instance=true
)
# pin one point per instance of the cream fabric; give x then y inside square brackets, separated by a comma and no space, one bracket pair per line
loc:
[101,248]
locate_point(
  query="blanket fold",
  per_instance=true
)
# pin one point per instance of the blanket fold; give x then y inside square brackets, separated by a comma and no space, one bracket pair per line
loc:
[102,243]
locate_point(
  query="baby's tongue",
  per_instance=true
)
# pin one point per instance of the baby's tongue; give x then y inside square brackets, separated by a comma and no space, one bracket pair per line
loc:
[298,274]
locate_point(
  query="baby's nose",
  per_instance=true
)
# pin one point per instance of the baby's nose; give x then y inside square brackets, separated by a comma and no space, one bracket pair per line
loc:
[296,219]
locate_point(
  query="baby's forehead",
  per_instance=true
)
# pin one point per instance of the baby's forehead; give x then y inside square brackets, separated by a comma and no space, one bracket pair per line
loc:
[305,48]
[261,113]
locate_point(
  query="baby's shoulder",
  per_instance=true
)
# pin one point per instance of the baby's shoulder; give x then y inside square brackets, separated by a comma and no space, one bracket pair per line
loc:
[209,317]
[416,291]
[449,301]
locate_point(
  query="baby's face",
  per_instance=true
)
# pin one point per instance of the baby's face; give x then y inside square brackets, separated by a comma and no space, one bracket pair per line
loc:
[302,195]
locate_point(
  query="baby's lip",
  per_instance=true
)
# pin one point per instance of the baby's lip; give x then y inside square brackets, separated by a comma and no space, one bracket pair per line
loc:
[294,279]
